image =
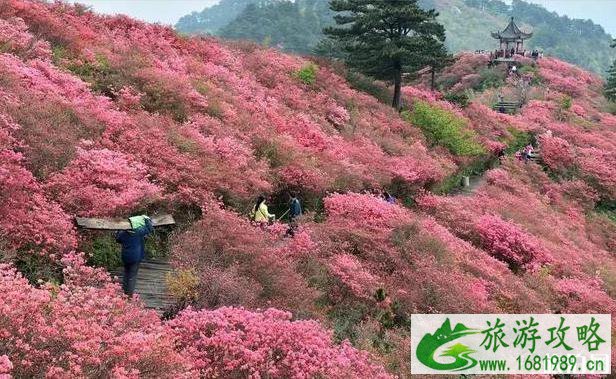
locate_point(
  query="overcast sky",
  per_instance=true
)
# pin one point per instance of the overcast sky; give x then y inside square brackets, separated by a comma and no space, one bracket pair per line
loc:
[168,12]
[164,11]
[602,12]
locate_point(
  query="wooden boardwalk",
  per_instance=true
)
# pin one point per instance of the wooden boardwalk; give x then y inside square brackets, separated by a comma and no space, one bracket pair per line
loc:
[152,284]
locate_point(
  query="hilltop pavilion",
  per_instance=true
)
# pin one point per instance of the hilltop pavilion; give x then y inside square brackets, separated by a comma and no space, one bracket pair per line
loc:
[511,40]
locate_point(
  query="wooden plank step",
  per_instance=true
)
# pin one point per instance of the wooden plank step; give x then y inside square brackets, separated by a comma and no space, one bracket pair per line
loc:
[151,284]
[156,266]
[120,224]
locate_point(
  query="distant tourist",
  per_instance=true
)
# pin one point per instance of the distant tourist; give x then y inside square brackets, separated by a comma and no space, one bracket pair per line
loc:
[295,211]
[389,198]
[528,153]
[260,213]
[501,155]
[133,250]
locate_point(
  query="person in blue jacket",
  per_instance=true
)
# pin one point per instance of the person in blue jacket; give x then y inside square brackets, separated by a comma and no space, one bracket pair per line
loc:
[133,249]
[295,210]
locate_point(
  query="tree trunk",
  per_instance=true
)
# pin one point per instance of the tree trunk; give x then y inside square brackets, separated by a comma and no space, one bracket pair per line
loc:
[396,103]
[432,73]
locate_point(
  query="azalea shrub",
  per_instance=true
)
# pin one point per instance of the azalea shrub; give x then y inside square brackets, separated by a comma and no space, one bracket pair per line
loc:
[76,331]
[236,342]
[28,219]
[510,244]
[102,182]
[236,264]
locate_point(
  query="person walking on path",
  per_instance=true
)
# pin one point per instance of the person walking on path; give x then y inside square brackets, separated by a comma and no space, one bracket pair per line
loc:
[528,153]
[389,198]
[133,250]
[295,210]
[260,213]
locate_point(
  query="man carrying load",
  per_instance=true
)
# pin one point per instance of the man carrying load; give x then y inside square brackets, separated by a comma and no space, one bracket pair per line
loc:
[133,249]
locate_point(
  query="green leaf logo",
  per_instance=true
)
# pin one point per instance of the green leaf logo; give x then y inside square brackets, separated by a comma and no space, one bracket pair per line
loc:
[426,349]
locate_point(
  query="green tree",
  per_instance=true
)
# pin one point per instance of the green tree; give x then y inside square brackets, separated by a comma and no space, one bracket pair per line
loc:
[437,58]
[610,86]
[386,38]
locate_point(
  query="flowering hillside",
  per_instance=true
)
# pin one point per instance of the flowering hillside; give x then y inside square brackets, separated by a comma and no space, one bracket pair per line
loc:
[106,116]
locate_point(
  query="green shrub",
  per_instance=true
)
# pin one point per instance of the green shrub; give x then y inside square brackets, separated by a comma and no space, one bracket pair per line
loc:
[159,98]
[566,102]
[461,99]
[307,74]
[518,141]
[370,86]
[34,267]
[442,127]
[270,150]
[536,79]
[157,244]
[607,208]
[104,251]
[489,78]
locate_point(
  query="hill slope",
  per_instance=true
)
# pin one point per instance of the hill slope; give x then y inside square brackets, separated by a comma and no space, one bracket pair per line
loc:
[108,116]
[468,24]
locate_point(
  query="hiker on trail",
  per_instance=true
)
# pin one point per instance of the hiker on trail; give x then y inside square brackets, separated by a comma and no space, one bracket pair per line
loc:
[133,249]
[500,98]
[501,155]
[295,210]
[389,198]
[528,152]
[259,212]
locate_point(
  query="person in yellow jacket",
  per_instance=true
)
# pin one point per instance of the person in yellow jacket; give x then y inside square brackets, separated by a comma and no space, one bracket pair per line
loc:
[260,213]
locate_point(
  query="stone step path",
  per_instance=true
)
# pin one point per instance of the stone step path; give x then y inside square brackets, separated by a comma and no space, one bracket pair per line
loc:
[152,284]
[475,181]
[508,106]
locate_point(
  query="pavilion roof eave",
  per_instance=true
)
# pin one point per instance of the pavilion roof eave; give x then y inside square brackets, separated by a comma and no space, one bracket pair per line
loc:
[521,36]
[511,33]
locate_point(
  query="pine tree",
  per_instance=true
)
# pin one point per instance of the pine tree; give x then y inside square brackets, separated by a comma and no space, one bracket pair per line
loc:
[387,38]
[437,58]
[610,86]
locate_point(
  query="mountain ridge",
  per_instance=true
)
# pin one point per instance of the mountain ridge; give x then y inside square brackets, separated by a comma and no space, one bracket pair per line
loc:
[468,24]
